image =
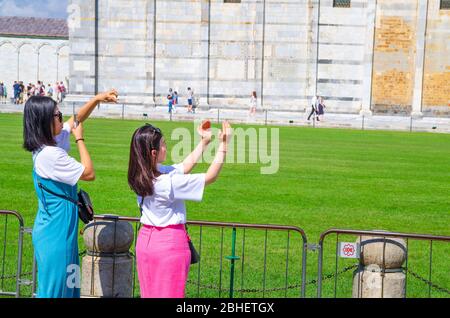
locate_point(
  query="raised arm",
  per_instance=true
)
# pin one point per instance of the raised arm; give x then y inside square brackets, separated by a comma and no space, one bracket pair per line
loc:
[85,158]
[86,110]
[219,159]
[191,160]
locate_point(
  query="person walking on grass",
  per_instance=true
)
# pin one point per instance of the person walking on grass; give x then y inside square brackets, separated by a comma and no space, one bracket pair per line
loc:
[162,252]
[55,175]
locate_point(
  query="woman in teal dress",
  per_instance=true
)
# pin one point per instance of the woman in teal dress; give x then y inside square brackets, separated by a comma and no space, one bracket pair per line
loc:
[55,231]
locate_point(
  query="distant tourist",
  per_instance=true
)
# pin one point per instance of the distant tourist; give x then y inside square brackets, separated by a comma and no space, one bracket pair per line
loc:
[63,91]
[170,100]
[321,108]
[29,90]
[57,92]
[175,101]
[314,107]
[21,92]
[50,91]
[190,99]
[2,92]
[253,103]
[16,89]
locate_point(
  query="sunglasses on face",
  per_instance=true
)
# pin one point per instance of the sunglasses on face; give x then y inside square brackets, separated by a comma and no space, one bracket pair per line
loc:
[59,115]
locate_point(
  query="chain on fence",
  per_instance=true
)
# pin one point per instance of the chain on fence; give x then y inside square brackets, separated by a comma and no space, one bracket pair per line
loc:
[314,281]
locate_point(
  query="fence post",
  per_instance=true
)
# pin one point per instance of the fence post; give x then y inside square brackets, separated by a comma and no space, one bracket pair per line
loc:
[107,267]
[123,110]
[233,259]
[410,124]
[319,272]
[380,273]
[19,262]
[218,115]
[363,122]
[266,117]
[305,251]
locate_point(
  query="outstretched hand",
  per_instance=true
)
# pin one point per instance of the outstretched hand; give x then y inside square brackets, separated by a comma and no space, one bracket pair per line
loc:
[108,97]
[204,130]
[226,132]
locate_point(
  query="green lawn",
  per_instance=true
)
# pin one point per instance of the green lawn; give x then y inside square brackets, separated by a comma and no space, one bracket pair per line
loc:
[394,181]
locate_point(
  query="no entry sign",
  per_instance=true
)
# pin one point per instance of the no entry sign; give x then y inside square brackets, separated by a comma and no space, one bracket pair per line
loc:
[348,250]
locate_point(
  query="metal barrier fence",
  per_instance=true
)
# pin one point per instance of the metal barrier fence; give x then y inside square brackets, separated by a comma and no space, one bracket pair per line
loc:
[219,286]
[382,237]
[18,276]
[223,287]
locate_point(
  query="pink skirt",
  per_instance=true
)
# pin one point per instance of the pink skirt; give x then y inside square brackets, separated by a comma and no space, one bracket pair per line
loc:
[163,259]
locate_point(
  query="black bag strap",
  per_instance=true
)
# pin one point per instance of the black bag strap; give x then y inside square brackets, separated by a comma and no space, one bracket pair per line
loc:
[141,204]
[58,195]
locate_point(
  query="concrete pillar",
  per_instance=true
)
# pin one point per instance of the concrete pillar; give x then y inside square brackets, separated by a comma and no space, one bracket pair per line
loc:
[313,49]
[205,14]
[422,11]
[380,274]
[107,269]
[150,61]
[368,58]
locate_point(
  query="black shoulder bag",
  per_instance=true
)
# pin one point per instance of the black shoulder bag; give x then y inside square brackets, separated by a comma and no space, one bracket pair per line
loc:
[195,257]
[85,208]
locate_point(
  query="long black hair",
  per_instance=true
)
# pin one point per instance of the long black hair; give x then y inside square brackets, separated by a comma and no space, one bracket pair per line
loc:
[142,167]
[38,119]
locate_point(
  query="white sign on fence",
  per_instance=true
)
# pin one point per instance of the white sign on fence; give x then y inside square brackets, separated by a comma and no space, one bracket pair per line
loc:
[348,250]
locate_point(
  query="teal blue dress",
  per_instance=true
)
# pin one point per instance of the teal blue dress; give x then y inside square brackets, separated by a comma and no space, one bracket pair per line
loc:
[55,241]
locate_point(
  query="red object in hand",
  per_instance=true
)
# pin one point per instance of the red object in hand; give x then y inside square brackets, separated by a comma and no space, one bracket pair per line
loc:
[206,125]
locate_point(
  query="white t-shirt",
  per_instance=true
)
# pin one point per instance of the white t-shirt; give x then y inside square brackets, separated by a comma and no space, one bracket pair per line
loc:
[166,206]
[54,163]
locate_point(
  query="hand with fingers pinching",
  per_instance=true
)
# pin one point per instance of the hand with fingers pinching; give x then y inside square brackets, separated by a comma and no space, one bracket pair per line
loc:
[108,97]
[204,130]
[226,133]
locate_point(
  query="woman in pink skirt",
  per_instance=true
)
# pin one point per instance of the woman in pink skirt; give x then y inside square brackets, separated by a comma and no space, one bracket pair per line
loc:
[162,250]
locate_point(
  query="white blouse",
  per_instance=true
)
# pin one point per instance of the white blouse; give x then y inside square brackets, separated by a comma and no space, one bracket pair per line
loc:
[54,163]
[166,206]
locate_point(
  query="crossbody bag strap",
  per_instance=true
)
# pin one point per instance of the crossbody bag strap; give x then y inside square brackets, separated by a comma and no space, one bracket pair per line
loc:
[141,204]
[58,195]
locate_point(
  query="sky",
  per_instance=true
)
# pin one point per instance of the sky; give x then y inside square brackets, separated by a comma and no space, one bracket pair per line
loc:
[34,8]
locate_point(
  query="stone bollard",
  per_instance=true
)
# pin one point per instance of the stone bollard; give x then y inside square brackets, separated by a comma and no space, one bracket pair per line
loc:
[108,266]
[370,280]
